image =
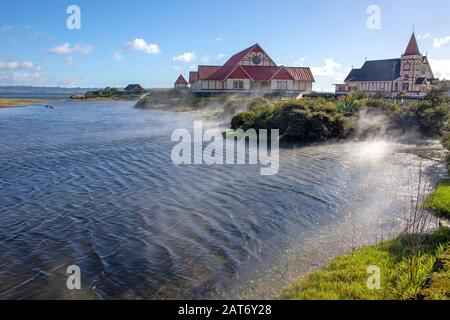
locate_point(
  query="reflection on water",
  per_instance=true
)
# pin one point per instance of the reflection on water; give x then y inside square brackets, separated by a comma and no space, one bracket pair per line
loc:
[92,184]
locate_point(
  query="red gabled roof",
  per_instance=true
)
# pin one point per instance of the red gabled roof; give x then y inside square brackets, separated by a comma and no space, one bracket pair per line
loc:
[260,73]
[193,76]
[282,74]
[231,69]
[239,73]
[413,48]
[181,80]
[301,74]
[257,73]
[231,64]
[204,72]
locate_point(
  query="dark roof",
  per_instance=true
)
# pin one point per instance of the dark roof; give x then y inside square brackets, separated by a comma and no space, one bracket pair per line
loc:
[413,48]
[377,70]
[132,87]
[181,80]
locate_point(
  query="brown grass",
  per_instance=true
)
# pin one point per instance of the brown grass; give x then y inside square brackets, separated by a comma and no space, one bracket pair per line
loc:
[13,103]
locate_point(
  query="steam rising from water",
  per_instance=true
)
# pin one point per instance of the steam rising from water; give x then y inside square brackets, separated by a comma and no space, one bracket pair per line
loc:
[374,151]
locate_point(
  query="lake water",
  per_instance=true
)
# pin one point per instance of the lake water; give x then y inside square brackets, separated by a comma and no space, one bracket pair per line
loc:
[93,185]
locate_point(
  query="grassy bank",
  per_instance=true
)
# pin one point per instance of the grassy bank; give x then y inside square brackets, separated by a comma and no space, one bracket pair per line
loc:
[439,201]
[184,100]
[217,108]
[345,278]
[13,103]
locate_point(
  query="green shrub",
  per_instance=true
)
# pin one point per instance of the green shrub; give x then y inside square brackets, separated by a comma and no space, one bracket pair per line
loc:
[347,104]
[358,95]
[432,118]
[305,120]
[384,104]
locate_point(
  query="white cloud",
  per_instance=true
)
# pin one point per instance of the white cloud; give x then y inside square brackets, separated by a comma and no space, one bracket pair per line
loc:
[14,65]
[22,78]
[117,56]
[424,36]
[439,42]
[193,68]
[218,39]
[324,88]
[66,48]
[441,68]
[185,57]
[205,59]
[62,49]
[329,70]
[177,68]
[220,56]
[141,45]
[328,74]
[138,44]
[300,62]
[84,49]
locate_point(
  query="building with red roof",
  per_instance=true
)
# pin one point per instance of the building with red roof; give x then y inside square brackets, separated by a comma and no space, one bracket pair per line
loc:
[411,74]
[251,70]
[181,83]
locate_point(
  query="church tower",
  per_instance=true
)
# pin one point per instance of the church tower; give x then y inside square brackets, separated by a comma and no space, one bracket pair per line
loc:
[415,69]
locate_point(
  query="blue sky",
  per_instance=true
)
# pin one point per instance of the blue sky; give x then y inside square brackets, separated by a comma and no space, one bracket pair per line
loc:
[152,42]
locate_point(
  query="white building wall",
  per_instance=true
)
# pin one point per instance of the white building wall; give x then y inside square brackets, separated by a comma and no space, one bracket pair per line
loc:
[290,85]
[309,87]
[274,85]
[229,84]
[247,84]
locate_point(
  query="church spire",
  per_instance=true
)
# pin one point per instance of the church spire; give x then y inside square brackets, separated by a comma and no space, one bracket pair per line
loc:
[413,48]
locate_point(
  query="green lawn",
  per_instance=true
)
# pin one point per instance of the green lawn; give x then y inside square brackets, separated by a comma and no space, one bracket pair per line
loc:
[345,278]
[439,201]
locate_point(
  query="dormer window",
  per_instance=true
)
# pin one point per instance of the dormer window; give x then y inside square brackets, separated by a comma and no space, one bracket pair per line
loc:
[238,84]
[282,85]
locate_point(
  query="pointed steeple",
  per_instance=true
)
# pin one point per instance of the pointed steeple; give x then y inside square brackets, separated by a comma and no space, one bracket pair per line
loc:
[413,48]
